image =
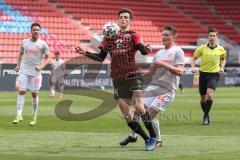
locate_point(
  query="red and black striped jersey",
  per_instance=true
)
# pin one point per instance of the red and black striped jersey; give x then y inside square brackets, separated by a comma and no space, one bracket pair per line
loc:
[122,49]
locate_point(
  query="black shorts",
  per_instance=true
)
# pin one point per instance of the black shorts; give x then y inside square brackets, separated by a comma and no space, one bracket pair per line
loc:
[123,88]
[208,80]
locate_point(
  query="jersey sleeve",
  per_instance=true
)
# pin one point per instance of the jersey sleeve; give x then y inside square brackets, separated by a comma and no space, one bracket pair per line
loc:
[198,52]
[180,57]
[45,49]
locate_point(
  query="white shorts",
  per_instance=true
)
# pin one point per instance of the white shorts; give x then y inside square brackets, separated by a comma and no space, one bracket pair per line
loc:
[157,97]
[27,82]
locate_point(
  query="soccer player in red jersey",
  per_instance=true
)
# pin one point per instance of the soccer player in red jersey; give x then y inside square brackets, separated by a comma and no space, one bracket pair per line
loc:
[126,74]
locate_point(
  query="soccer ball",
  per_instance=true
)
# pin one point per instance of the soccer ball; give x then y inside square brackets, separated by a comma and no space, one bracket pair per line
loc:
[110,29]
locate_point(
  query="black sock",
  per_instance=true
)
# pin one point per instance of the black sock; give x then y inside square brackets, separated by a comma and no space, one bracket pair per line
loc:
[208,106]
[148,123]
[135,126]
[203,106]
[180,86]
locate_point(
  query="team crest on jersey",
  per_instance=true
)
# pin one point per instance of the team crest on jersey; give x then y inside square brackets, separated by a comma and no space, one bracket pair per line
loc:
[38,46]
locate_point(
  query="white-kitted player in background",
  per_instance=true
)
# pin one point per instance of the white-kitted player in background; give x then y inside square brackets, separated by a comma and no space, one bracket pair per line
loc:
[57,75]
[33,57]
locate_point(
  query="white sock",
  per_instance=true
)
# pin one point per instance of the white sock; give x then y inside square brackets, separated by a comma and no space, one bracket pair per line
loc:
[156,127]
[53,90]
[35,102]
[133,134]
[20,103]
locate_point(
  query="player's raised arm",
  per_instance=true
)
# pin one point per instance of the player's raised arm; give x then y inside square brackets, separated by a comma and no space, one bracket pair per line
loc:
[144,49]
[94,56]
[79,50]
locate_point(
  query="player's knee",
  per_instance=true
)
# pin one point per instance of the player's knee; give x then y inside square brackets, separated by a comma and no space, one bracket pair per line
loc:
[210,94]
[22,92]
[152,113]
[140,109]
[128,117]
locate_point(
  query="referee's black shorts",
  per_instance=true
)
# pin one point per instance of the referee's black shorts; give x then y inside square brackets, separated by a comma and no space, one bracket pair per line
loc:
[124,87]
[208,80]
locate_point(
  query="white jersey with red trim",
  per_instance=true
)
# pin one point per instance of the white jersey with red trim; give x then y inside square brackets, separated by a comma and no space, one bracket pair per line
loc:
[163,77]
[32,56]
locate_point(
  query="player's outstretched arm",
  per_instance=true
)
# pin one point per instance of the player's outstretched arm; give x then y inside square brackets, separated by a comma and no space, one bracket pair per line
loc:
[94,56]
[79,50]
[144,49]
[148,48]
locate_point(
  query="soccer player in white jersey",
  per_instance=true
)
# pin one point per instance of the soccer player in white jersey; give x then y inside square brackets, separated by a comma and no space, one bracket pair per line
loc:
[33,57]
[166,69]
[57,75]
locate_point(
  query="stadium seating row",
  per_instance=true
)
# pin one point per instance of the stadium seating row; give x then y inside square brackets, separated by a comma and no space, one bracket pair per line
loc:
[88,17]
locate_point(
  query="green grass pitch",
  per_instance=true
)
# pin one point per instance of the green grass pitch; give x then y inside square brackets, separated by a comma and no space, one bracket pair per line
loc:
[97,139]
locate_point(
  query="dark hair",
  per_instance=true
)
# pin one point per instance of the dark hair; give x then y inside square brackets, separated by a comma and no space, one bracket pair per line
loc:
[57,53]
[212,30]
[171,29]
[35,24]
[126,10]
